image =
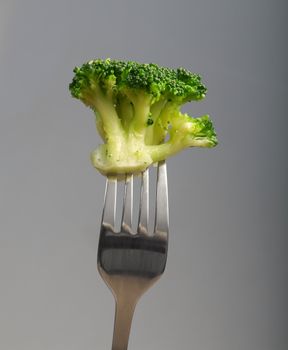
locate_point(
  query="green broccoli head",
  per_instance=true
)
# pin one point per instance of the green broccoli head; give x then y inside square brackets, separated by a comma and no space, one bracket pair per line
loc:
[137,109]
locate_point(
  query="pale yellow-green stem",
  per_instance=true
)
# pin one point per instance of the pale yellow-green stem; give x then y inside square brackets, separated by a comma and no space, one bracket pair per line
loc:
[163,151]
[155,111]
[125,112]
[141,108]
[161,124]
[111,123]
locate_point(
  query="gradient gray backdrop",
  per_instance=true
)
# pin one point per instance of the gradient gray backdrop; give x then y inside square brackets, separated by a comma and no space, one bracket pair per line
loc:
[225,287]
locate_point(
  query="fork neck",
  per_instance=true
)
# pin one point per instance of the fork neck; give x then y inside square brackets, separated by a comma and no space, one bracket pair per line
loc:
[123,319]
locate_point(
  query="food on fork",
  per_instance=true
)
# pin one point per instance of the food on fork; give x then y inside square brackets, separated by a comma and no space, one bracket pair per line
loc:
[137,109]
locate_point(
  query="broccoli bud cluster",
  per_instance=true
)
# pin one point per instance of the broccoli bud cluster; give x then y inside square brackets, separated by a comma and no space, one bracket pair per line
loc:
[136,106]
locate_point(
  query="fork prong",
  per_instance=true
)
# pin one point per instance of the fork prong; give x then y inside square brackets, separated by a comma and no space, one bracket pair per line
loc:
[144,204]
[109,208]
[126,224]
[162,209]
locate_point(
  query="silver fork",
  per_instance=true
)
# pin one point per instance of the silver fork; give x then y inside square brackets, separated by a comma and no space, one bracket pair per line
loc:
[129,262]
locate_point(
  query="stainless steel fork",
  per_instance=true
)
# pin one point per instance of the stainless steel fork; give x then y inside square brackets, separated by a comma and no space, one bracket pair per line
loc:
[131,262]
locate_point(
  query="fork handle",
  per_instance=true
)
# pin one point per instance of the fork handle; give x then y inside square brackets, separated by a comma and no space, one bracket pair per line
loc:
[124,310]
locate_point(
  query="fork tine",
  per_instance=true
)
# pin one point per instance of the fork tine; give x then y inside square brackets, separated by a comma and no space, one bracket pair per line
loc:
[144,204]
[109,208]
[126,224]
[161,210]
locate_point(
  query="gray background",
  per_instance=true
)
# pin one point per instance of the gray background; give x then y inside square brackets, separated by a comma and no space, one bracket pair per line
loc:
[225,287]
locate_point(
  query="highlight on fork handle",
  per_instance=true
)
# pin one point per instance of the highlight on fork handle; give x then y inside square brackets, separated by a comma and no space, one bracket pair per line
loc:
[109,208]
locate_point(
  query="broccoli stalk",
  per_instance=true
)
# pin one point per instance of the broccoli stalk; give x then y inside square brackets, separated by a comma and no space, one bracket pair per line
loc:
[138,116]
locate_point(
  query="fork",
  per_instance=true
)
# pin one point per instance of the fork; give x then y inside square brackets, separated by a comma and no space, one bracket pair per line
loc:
[131,262]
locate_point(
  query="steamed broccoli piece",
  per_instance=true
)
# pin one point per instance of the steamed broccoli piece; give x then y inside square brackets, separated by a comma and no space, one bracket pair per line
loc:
[137,111]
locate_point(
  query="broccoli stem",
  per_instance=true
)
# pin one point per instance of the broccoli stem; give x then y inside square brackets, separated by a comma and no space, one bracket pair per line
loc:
[111,123]
[155,111]
[125,111]
[141,107]
[163,121]
[161,152]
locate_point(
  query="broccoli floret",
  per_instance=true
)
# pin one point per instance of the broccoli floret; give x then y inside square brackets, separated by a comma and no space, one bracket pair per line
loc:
[137,110]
